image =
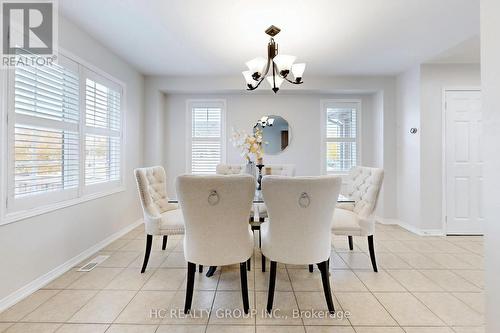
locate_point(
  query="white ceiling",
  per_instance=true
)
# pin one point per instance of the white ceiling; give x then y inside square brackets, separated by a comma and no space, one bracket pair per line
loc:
[334,37]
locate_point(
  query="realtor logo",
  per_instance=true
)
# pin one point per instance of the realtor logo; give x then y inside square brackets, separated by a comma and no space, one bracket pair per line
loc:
[28,29]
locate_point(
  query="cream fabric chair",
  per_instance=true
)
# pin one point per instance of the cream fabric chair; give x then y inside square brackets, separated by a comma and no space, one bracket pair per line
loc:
[229,169]
[298,231]
[356,219]
[216,210]
[160,216]
[276,170]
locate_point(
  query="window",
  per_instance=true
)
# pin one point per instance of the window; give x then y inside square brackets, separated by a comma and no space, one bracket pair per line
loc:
[64,129]
[340,144]
[207,136]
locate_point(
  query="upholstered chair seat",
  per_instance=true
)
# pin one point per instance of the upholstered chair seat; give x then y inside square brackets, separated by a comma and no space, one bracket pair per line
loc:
[357,219]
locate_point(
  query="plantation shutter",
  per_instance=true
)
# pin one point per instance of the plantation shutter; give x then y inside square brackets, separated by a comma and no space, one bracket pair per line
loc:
[341,137]
[206,143]
[45,144]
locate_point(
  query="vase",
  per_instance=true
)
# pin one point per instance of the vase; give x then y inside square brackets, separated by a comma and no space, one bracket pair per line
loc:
[251,169]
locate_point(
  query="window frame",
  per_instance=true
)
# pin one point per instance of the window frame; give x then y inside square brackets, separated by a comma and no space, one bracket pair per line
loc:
[204,103]
[48,202]
[330,103]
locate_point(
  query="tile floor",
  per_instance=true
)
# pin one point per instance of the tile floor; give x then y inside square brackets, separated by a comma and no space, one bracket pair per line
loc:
[424,285]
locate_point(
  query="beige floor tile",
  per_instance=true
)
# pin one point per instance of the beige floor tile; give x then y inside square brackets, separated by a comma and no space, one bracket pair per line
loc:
[479,329]
[64,280]
[282,280]
[98,278]
[473,260]
[397,246]
[285,309]
[61,307]
[443,246]
[314,303]
[104,307]
[116,245]
[200,308]
[4,326]
[146,307]
[165,279]
[413,280]
[228,309]
[230,279]
[202,282]
[420,261]
[329,329]
[156,259]
[391,261]
[420,246]
[25,306]
[230,329]
[83,328]
[408,310]
[181,329]
[474,300]
[450,281]
[451,310]
[175,260]
[365,309]
[356,260]
[281,329]
[428,330]
[344,280]
[475,277]
[129,279]
[118,328]
[33,328]
[135,245]
[336,262]
[119,258]
[363,329]
[380,281]
[449,261]
[303,280]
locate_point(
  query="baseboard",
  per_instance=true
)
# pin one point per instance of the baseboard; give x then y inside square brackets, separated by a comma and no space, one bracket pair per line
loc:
[38,283]
[411,228]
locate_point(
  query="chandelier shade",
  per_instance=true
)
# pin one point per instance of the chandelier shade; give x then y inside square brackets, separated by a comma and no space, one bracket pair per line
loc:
[275,69]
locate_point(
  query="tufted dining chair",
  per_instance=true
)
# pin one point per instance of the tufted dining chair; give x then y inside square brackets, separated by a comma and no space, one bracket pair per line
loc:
[229,169]
[161,218]
[216,210]
[298,230]
[357,219]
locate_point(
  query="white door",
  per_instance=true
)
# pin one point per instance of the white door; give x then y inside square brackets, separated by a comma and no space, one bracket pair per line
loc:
[464,175]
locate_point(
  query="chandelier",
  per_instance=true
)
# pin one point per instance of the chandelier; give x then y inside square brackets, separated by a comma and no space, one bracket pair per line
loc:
[280,65]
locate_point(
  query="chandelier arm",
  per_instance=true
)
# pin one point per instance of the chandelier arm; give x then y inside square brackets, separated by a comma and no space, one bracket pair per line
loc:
[288,80]
[263,76]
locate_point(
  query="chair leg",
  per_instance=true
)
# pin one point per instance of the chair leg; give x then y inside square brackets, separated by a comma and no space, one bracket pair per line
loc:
[200,268]
[249,264]
[164,245]
[191,269]
[372,253]
[263,262]
[272,284]
[244,286]
[149,242]
[211,271]
[351,246]
[311,268]
[325,278]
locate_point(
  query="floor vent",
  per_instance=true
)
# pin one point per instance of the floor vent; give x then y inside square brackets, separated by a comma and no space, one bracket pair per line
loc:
[92,264]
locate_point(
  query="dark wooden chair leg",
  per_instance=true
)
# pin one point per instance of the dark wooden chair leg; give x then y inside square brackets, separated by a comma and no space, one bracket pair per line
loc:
[211,271]
[244,286]
[260,239]
[164,244]
[263,262]
[311,268]
[200,268]
[249,264]
[371,248]
[351,246]
[325,278]
[149,242]
[262,219]
[272,284]
[191,269]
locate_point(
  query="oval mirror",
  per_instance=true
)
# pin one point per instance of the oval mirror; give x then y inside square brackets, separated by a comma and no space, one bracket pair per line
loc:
[275,134]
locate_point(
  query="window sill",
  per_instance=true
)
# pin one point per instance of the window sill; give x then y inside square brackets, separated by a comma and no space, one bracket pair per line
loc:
[25,214]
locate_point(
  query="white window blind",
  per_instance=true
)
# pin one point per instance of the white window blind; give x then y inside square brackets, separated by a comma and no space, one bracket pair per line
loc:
[45,135]
[206,139]
[341,137]
[102,131]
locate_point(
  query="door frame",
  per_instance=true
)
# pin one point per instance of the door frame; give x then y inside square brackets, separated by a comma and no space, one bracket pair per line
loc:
[444,221]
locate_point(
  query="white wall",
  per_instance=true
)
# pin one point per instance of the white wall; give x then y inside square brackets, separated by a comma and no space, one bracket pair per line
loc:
[490,73]
[35,246]
[408,148]
[302,111]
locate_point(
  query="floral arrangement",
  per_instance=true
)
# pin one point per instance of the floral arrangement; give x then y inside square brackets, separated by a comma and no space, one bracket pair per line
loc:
[248,145]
